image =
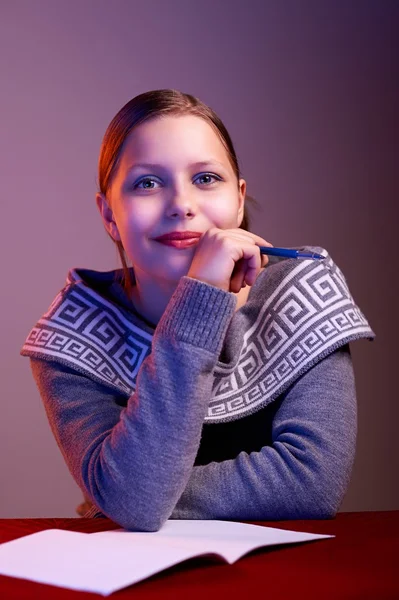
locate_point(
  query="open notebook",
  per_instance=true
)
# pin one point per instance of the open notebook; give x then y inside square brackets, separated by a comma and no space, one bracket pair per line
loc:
[110,560]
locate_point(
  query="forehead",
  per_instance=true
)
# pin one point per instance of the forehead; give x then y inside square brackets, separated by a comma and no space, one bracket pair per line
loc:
[174,141]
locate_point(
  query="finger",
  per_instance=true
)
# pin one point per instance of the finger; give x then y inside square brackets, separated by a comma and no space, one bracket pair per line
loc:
[264,260]
[259,241]
[238,275]
[253,264]
[243,270]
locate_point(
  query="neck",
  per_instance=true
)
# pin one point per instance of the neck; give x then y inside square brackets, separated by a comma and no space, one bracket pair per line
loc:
[151,299]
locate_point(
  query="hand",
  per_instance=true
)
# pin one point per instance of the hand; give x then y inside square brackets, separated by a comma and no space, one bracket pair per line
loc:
[228,258]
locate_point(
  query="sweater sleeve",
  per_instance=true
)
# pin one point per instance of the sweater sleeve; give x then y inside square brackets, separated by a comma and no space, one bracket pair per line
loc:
[304,473]
[134,463]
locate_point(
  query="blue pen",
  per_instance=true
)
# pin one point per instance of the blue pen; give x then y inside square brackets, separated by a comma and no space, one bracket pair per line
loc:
[289,253]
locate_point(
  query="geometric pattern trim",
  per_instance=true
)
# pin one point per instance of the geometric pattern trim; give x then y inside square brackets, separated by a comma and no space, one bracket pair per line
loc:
[84,330]
[307,313]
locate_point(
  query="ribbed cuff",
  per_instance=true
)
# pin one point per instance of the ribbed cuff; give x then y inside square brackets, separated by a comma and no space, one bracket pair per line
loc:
[198,313]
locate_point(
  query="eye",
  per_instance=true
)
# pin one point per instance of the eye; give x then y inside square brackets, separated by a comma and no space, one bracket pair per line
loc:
[144,180]
[209,175]
[151,180]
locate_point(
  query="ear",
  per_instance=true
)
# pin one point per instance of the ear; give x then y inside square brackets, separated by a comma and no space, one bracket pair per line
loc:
[107,216]
[242,185]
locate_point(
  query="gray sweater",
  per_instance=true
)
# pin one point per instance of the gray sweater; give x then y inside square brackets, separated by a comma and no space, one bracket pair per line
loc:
[212,414]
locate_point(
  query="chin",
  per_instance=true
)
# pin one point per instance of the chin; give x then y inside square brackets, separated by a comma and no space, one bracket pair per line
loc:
[173,276]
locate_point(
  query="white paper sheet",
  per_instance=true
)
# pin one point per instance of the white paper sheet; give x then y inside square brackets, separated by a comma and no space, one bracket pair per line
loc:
[107,561]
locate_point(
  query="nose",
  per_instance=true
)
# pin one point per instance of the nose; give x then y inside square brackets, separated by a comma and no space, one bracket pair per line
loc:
[181,204]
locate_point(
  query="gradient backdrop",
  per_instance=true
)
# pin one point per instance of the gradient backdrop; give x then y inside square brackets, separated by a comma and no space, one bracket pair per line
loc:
[309,93]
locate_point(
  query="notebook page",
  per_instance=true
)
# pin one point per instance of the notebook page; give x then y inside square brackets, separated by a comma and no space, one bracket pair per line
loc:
[231,540]
[107,561]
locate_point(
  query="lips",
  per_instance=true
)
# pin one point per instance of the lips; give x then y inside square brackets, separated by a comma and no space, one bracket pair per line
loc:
[179,235]
[179,239]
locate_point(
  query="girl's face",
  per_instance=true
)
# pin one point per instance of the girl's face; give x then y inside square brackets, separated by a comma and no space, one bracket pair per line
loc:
[174,175]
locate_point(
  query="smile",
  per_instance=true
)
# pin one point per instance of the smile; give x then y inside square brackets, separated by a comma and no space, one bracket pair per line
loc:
[181,244]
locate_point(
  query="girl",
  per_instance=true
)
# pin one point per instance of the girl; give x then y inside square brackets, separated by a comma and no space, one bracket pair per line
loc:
[195,384]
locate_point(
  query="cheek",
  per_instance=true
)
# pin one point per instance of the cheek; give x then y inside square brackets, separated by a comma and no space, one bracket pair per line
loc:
[223,212]
[141,219]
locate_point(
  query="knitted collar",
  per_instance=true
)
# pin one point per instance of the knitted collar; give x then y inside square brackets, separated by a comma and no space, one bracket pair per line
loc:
[304,311]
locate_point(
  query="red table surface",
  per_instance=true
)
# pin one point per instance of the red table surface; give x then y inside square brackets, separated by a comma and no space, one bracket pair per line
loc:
[360,562]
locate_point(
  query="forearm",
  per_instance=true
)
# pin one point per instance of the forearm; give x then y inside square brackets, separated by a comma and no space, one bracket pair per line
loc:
[140,469]
[304,473]
[135,463]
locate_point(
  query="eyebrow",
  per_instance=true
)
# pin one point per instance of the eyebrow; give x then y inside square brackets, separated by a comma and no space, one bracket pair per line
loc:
[151,166]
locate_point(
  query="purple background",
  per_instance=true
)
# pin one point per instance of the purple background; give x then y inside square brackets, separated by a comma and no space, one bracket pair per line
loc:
[308,91]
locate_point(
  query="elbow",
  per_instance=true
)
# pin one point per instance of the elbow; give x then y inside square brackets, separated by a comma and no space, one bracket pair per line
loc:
[137,501]
[133,512]
[123,514]
[330,504]
[150,521]
[320,511]
[311,507]
[130,509]
[144,525]
[322,488]
[322,501]
[135,508]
